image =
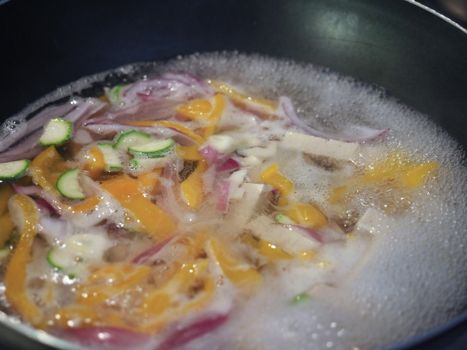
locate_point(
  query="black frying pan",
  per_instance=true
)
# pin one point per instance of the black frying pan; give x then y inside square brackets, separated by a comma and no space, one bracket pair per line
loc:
[416,56]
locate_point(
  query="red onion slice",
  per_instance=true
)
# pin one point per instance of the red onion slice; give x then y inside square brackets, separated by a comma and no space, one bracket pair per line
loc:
[210,155]
[26,146]
[223,196]
[150,255]
[107,336]
[228,165]
[27,190]
[353,134]
[182,336]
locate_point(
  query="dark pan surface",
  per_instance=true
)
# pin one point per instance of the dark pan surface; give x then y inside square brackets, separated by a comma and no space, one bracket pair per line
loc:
[417,57]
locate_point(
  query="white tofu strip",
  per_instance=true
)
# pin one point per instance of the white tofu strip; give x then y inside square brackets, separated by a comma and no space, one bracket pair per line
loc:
[319,146]
[242,210]
[289,239]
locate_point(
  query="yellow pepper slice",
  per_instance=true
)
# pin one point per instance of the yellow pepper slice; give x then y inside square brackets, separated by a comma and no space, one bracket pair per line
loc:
[16,271]
[214,116]
[171,125]
[188,152]
[192,189]
[6,228]
[152,219]
[111,280]
[242,98]
[95,162]
[265,248]
[417,175]
[239,273]
[85,205]
[306,214]
[149,182]
[5,193]
[397,171]
[272,176]
[46,168]
[198,109]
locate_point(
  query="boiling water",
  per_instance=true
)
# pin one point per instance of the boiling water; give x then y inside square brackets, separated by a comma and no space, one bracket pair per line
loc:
[414,276]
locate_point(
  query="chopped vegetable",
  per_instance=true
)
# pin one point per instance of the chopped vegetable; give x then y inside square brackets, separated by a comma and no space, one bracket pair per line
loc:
[149,216]
[57,132]
[272,176]
[68,185]
[13,170]
[153,149]
[15,276]
[111,157]
[300,298]
[129,138]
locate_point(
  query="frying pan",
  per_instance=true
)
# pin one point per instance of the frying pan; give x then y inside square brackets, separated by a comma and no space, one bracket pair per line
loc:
[416,56]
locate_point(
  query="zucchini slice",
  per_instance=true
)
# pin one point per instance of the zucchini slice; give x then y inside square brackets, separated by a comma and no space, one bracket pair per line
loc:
[144,165]
[57,132]
[13,170]
[68,184]
[153,149]
[111,157]
[77,252]
[131,138]
[114,95]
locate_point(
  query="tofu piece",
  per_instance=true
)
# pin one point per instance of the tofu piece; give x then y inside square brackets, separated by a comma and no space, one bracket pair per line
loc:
[371,221]
[236,180]
[319,146]
[261,152]
[222,143]
[290,240]
[242,210]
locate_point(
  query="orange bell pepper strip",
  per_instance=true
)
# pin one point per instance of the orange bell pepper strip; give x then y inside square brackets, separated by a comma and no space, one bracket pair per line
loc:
[85,205]
[111,280]
[16,270]
[153,220]
[5,193]
[188,152]
[242,98]
[46,168]
[95,162]
[239,273]
[192,189]
[272,176]
[6,228]
[149,182]
[306,214]
[170,125]
[215,115]
[198,109]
